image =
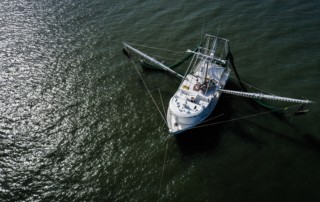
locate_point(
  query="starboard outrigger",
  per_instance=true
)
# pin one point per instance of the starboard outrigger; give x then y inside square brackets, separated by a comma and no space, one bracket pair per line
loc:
[202,85]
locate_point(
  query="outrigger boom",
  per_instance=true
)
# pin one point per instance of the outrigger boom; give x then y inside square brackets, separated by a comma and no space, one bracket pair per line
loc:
[153,60]
[264,96]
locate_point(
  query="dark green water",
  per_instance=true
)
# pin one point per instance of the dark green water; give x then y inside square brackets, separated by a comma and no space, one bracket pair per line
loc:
[76,123]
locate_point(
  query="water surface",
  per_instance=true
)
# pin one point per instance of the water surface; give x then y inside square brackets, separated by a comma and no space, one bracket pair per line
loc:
[76,123]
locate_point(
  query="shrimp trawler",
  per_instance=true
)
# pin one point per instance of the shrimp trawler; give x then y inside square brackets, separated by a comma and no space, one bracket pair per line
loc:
[202,84]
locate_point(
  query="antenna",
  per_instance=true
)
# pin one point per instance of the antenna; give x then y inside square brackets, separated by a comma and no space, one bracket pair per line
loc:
[202,36]
[218,29]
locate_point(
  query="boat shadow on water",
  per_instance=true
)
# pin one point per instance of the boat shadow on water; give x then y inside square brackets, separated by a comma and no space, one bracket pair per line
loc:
[206,137]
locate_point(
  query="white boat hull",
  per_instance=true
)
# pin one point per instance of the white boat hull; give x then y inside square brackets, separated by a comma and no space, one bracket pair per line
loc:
[180,122]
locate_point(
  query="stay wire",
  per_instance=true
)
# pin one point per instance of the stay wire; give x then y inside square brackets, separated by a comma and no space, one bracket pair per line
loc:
[245,117]
[163,167]
[166,152]
[251,86]
[145,85]
[164,110]
[164,163]
[155,48]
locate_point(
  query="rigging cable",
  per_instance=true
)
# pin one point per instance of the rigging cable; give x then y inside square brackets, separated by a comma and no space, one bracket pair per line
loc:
[177,64]
[164,164]
[260,102]
[244,117]
[145,85]
[164,110]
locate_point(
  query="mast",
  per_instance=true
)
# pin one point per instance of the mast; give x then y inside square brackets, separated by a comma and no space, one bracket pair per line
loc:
[206,74]
[264,96]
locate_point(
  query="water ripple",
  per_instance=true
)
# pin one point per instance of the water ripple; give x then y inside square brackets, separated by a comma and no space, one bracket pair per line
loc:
[75,121]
